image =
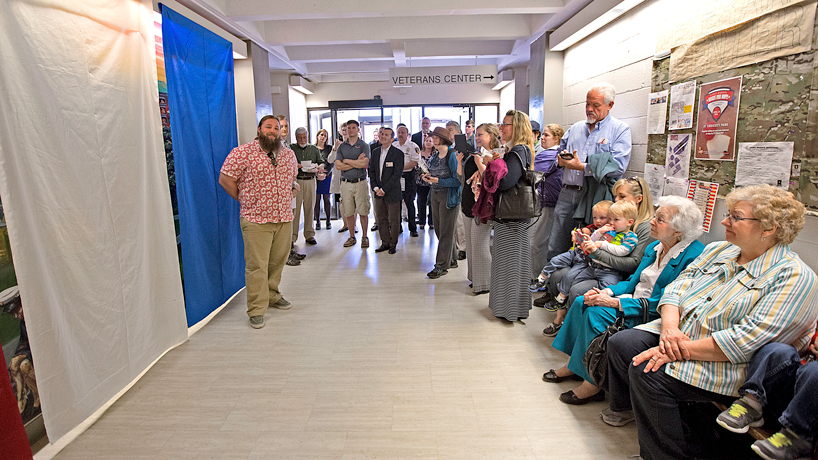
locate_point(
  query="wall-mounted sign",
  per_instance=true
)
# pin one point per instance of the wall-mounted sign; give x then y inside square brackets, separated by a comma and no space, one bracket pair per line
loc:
[455,75]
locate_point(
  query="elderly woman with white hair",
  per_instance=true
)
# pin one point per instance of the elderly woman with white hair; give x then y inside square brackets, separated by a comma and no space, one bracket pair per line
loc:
[675,225]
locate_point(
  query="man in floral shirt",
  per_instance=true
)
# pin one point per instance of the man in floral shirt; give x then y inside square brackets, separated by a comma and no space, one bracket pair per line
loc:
[261,176]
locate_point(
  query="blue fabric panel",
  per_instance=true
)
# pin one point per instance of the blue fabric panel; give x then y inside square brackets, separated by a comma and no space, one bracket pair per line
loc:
[201,100]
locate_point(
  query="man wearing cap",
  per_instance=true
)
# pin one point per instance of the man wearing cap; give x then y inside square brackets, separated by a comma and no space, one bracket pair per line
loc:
[385,174]
[351,161]
[600,133]
[305,198]
[261,177]
[535,129]
[411,156]
[420,137]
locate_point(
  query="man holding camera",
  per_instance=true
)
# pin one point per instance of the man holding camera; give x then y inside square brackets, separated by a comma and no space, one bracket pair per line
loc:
[598,133]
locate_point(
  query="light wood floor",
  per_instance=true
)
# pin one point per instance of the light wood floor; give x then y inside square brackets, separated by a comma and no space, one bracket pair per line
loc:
[374,361]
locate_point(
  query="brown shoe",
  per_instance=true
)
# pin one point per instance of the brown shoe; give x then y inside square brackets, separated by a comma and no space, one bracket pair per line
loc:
[364,242]
[350,242]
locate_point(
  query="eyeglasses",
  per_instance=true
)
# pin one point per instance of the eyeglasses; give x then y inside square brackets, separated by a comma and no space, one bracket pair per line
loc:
[660,219]
[734,218]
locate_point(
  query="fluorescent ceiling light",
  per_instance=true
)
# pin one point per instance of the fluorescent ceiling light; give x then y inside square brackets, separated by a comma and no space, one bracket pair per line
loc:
[300,84]
[301,89]
[565,36]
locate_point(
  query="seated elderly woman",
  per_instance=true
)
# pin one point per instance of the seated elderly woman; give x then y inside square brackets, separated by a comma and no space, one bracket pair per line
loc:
[736,297]
[676,225]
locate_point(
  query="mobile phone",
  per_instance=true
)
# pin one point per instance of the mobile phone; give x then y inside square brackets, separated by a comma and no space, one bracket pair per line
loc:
[565,155]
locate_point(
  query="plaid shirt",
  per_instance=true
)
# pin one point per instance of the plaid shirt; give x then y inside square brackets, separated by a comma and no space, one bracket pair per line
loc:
[770,299]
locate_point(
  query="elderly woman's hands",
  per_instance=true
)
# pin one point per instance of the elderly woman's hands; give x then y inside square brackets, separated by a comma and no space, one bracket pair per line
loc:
[600,298]
[672,342]
[655,359]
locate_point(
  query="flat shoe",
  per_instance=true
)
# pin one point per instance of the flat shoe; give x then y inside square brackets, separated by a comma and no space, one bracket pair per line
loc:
[551,329]
[570,398]
[551,376]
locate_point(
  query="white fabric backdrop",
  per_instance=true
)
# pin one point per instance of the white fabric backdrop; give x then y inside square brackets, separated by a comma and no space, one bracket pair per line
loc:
[84,186]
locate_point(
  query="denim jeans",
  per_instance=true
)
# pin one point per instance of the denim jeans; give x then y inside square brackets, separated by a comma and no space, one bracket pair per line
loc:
[585,272]
[564,260]
[655,397]
[560,239]
[787,390]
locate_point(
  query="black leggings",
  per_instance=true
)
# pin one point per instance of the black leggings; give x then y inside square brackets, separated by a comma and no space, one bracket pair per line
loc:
[423,205]
[327,207]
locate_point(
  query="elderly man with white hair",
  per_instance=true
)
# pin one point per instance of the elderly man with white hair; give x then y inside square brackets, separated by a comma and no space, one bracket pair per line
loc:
[310,163]
[599,134]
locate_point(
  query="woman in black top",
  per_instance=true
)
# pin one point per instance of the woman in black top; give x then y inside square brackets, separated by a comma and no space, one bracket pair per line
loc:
[322,187]
[511,262]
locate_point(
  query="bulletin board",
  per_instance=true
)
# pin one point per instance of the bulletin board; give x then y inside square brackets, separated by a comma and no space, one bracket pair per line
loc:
[776,98]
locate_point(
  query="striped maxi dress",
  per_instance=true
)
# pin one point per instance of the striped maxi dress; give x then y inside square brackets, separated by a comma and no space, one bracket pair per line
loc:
[510,266]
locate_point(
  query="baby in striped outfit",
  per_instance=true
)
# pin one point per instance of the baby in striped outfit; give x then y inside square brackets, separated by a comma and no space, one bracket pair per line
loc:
[616,238]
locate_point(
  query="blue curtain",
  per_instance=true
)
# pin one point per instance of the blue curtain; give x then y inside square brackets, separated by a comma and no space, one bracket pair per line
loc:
[202,104]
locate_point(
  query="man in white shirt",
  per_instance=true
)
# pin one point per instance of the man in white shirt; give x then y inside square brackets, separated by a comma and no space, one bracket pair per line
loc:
[411,156]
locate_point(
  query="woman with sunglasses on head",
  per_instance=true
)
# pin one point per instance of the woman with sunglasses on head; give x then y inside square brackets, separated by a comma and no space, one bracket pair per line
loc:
[511,258]
[423,189]
[630,189]
[736,297]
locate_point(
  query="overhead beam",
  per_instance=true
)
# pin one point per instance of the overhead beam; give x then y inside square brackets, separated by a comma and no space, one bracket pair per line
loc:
[420,48]
[336,52]
[362,30]
[265,10]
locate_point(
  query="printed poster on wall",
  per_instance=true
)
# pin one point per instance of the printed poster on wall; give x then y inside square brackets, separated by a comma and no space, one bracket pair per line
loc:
[704,195]
[655,177]
[657,112]
[677,160]
[682,97]
[718,117]
[764,163]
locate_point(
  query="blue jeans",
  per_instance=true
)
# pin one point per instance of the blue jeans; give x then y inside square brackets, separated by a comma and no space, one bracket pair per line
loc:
[786,389]
[560,239]
[565,260]
[655,397]
[583,271]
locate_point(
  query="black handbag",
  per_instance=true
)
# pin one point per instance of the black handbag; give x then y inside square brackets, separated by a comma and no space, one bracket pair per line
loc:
[521,201]
[596,356]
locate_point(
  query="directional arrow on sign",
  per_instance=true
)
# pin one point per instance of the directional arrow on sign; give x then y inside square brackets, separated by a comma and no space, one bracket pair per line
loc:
[490,77]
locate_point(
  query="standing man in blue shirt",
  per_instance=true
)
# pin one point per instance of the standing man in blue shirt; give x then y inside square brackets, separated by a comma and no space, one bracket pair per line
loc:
[599,133]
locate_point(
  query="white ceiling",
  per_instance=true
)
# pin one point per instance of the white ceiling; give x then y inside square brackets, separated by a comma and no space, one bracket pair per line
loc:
[359,40]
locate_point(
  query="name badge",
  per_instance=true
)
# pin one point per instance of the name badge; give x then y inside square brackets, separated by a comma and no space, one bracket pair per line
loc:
[388,164]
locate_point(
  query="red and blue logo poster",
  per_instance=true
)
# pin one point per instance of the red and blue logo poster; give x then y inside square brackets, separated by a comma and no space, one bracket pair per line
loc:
[718,117]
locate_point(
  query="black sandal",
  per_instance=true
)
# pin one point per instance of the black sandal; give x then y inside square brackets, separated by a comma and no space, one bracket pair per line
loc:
[551,376]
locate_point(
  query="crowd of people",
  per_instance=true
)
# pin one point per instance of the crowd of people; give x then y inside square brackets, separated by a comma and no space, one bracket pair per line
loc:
[729,322]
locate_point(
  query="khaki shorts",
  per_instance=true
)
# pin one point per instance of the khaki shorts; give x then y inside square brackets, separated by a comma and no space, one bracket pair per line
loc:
[354,198]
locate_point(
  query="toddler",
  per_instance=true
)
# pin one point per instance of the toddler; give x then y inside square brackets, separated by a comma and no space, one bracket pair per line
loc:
[616,238]
[566,259]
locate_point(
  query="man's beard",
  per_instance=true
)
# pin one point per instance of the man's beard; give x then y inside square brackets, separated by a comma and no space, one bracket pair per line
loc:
[302,145]
[590,118]
[270,144]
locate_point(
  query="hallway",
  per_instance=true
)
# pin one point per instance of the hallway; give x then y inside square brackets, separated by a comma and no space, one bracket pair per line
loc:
[374,360]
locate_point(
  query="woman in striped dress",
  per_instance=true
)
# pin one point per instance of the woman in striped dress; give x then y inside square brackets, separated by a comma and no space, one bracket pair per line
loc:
[511,261]
[478,235]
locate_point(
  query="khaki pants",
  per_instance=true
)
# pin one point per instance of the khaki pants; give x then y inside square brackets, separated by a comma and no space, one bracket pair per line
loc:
[304,199]
[266,248]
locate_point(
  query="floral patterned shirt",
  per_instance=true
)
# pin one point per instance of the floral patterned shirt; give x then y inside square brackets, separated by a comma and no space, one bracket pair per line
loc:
[265,191]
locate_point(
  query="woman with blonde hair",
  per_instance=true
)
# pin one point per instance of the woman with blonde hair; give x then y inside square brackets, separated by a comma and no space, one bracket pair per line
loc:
[478,235]
[509,297]
[545,161]
[633,189]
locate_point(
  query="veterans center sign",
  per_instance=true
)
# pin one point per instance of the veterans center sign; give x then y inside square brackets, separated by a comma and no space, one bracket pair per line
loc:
[412,76]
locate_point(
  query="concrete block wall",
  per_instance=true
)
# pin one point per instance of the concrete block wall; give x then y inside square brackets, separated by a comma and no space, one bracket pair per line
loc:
[621,53]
